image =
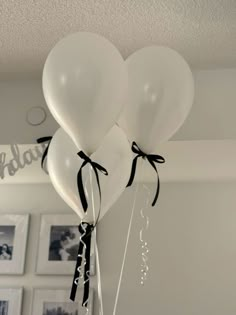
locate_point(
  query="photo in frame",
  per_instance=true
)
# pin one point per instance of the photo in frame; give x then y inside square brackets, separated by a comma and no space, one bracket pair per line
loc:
[57,301]
[10,301]
[58,245]
[13,241]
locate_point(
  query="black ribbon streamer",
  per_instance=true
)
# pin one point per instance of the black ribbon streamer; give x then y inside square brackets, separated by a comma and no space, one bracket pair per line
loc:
[45,153]
[85,229]
[152,159]
[96,167]
[84,247]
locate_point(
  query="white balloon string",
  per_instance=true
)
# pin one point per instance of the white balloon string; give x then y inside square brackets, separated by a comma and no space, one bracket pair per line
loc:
[144,244]
[81,256]
[99,277]
[80,268]
[98,269]
[126,245]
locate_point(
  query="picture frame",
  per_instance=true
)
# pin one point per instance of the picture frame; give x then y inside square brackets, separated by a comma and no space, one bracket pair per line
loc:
[13,242]
[11,301]
[53,301]
[58,245]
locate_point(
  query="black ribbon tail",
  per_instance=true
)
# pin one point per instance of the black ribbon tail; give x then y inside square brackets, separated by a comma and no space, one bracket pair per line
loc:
[77,272]
[45,153]
[102,170]
[87,271]
[133,171]
[81,189]
[85,230]
[157,191]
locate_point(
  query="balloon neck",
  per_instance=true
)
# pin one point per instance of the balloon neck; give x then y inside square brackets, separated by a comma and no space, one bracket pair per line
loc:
[87,152]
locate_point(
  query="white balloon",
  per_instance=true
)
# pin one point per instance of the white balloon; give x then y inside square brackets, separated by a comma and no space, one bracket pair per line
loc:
[160,96]
[63,165]
[84,83]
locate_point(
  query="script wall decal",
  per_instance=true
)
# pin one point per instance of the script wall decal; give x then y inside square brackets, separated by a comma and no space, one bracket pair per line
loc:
[17,157]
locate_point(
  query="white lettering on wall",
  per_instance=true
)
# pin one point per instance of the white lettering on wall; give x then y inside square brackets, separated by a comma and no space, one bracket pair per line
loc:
[19,160]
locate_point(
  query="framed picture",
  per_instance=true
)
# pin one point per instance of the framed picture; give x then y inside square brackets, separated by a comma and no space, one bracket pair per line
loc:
[10,301]
[58,245]
[13,239]
[57,302]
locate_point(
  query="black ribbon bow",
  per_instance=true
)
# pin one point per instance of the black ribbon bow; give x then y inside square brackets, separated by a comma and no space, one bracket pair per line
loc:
[152,159]
[45,153]
[96,167]
[85,230]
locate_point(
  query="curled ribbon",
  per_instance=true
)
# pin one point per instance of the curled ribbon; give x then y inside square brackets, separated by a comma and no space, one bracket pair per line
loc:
[45,153]
[96,167]
[85,230]
[152,159]
[144,243]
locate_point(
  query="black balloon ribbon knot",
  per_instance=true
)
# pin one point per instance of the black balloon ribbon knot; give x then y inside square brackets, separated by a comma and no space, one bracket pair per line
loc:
[45,153]
[152,159]
[97,168]
[85,230]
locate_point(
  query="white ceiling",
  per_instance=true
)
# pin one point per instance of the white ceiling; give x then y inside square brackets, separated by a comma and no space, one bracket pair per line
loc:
[203,31]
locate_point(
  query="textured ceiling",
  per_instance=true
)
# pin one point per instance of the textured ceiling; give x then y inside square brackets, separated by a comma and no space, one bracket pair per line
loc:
[203,31]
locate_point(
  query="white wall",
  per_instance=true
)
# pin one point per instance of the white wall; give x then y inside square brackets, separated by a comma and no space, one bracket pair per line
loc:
[214,111]
[192,238]
[192,259]
[16,98]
